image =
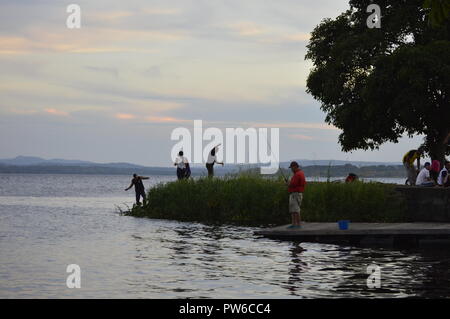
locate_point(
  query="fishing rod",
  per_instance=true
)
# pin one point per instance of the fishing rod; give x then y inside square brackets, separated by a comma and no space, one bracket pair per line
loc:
[279,166]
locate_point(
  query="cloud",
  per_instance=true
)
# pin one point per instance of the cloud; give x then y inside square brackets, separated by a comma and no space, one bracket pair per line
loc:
[22,111]
[12,44]
[297,37]
[87,40]
[266,34]
[155,65]
[115,16]
[301,137]
[166,119]
[247,28]
[161,11]
[56,112]
[108,16]
[104,50]
[316,126]
[244,124]
[153,71]
[124,116]
[111,71]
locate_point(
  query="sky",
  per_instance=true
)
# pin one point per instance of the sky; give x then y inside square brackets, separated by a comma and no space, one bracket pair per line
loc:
[114,89]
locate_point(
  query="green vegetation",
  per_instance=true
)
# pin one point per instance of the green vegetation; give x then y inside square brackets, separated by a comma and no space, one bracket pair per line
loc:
[252,200]
[328,171]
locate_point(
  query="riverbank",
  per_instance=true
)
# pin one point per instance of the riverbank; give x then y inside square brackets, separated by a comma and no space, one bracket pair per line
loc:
[251,200]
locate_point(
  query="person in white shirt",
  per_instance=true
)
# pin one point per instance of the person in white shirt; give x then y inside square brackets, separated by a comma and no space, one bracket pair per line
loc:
[424,179]
[443,178]
[182,164]
[212,159]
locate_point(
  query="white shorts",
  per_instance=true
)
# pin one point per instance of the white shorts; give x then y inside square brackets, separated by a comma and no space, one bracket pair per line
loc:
[295,201]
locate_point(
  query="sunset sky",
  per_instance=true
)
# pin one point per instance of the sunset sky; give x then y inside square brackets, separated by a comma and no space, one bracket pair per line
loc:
[115,89]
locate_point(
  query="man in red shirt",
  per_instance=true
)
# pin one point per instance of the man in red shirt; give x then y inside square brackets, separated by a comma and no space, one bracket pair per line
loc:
[296,187]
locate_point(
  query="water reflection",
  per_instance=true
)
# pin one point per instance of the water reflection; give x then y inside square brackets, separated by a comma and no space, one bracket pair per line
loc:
[224,261]
[296,267]
[432,266]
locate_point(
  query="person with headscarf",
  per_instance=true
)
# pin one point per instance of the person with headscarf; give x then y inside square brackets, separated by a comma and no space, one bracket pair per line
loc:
[212,159]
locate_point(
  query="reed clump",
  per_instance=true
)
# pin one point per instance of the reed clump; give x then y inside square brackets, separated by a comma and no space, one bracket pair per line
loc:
[253,200]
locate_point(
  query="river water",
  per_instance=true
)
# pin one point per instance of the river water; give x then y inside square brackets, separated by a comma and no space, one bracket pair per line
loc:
[50,221]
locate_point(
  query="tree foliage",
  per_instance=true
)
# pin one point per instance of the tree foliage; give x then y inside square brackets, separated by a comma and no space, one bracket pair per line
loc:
[439,11]
[378,84]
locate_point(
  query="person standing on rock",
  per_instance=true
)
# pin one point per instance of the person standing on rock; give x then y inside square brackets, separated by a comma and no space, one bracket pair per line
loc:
[296,187]
[212,159]
[138,187]
[182,164]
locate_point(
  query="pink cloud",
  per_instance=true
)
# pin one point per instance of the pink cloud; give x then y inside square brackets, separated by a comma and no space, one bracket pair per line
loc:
[88,40]
[56,112]
[297,37]
[124,116]
[165,119]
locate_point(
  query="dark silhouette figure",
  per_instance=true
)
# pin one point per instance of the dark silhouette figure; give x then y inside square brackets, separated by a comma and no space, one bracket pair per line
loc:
[212,159]
[183,168]
[138,187]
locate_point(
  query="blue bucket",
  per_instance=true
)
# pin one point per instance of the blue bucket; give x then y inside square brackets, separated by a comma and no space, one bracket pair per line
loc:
[343,224]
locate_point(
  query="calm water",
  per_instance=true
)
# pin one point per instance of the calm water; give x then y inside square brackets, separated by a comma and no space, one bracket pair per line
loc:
[50,221]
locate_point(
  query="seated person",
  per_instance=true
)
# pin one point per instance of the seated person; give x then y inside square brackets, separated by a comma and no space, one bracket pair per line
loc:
[351,178]
[435,169]
[444,178]
[424,179]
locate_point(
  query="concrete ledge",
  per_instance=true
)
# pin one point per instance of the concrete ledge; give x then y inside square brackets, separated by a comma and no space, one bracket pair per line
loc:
[364,233]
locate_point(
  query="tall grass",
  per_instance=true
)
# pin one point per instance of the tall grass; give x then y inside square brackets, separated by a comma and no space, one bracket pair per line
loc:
[250,200]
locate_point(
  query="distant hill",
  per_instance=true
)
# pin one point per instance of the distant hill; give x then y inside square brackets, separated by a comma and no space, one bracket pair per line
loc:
[323,168]
[37,165]
[32,160]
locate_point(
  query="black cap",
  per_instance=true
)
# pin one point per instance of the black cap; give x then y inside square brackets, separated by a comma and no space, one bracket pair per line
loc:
[294,164]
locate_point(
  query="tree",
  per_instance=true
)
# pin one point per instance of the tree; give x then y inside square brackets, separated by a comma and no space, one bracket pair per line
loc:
[378,84]
[440,10]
